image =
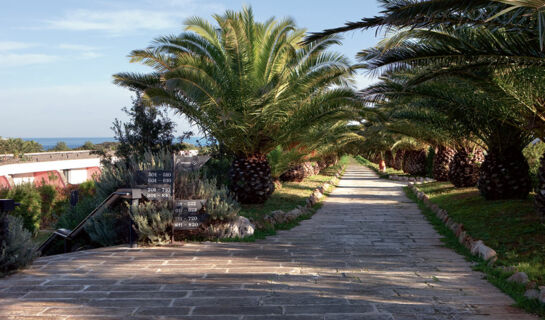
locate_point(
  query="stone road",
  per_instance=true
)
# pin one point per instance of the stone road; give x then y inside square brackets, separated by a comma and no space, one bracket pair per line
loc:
[367,254]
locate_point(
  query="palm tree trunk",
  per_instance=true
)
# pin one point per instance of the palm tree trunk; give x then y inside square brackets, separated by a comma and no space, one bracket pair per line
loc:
[465,167]
[441,163]
[251,179]
[504,175]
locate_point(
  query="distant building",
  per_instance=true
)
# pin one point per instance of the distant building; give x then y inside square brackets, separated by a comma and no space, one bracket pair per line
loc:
[56,168]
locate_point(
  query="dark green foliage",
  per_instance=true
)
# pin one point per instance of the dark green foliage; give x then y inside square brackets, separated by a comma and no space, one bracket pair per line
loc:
[504,175]
[220,205]
[153,222]
[30,208]
[540,194]
[18,147]
[74,215]
[533,153]
[218,168]
[148,129]
[48,194]
[251,179]
[60,146]
[429,162]
[16,246]
[102,228]
[281,160]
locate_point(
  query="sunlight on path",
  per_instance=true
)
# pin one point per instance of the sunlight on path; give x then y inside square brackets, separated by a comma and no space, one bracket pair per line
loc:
[367,254]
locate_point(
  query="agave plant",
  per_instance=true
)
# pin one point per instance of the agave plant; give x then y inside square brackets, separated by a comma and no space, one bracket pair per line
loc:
[250,85]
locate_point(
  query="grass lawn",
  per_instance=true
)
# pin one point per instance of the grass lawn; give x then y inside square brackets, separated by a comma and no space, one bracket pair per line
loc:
[511,227]
[291,195]
[42,236]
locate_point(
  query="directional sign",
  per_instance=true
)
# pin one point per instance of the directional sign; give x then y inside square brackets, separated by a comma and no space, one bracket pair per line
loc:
[154,177]
[187,214]
[155,184]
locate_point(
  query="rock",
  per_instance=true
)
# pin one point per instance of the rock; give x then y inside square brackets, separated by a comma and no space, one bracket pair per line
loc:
[292,215]
[519,277]
[326,186]
[459,229]
[318,194]
[462,237]
[541,297]
[279,216]
[240,228]
[532,294]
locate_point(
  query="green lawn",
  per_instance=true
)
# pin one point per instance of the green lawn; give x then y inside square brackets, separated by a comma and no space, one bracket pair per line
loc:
[511,227]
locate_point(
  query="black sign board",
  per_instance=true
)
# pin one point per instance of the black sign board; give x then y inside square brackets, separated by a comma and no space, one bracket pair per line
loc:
[188,215]
[154,177]
[155,184]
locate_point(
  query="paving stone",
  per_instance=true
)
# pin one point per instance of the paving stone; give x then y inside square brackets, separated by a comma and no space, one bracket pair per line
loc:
[368,253]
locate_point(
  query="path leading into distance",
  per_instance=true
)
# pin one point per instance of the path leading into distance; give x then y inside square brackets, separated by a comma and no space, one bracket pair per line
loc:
[368,253]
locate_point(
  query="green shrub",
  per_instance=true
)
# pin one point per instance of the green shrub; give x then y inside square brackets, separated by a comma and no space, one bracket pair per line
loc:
[189,185]
[220,205]
[102,228]
[533,153]
[48,194]
[30,208]
[87,189]
[281,160]
[122,173]
[74,215]
[218,169]
[153,222]
[16,246]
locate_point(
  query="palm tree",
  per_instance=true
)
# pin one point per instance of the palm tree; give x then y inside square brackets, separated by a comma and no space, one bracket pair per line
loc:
[250,85]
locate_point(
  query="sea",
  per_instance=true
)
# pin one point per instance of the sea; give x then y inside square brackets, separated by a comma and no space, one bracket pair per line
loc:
[49,143]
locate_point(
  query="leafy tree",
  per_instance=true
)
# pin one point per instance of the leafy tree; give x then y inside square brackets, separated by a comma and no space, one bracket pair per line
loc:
[61,146]
[18,147]
[148,129]
[250,85]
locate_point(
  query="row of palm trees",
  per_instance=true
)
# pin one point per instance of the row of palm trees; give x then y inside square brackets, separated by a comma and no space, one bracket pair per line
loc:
[460,74]
[254,87]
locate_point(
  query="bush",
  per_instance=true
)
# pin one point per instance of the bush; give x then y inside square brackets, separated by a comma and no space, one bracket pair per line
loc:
[74,215]
[281,160]
[189,185]
[48,194]
[153,222]
[16,247]
[533,153]
[220,205]
[218,169]
[102,228]
[30,208]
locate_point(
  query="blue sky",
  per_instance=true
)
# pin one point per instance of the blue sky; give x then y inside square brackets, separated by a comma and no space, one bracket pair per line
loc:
[57,57]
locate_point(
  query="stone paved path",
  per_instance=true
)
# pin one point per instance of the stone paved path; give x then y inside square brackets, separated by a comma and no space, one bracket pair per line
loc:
[367,254]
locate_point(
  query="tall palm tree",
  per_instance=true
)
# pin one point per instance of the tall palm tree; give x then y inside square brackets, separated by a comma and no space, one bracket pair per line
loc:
[250,85]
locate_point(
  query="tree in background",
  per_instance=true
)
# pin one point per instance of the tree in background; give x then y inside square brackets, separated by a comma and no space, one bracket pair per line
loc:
[18,147]
[60,146]
[148,129]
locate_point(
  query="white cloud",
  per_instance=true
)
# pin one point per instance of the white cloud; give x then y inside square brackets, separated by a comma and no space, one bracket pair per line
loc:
[77,47]
[161,15]
[13,45]
[117,22]
[10,60]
